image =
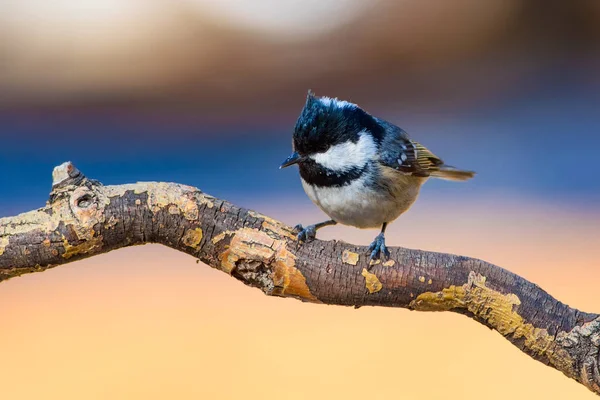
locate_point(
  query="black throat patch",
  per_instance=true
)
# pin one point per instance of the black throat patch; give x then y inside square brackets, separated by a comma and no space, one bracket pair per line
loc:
[317,175]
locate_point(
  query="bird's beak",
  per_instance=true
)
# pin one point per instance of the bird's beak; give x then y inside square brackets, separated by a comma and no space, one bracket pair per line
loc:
[295,158]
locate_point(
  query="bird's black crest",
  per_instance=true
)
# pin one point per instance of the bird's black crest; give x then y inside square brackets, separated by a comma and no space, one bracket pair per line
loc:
[325,122]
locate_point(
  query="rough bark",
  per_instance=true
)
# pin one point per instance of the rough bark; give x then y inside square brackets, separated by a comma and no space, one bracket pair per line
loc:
[83,218]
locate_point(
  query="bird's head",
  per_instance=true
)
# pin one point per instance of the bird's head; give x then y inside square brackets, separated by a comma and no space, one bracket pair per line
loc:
[333,134]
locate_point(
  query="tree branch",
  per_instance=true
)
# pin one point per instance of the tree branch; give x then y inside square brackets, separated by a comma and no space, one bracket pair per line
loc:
[83,218]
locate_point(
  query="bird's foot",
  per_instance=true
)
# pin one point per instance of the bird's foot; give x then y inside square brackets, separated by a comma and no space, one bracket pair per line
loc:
[305,234]
[378,249]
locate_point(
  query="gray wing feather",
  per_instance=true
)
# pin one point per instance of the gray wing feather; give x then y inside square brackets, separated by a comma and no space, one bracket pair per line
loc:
[398,151]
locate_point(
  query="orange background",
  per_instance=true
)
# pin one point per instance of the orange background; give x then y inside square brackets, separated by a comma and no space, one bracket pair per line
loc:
[150,323]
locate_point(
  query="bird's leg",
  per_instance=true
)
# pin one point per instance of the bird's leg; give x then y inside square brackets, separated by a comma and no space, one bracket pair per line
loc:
[307,234]
[378,248]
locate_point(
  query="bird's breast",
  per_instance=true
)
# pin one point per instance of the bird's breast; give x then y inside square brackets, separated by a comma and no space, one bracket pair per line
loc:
[357,203]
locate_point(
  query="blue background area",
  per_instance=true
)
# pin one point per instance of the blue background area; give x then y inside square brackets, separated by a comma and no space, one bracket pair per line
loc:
[542,147]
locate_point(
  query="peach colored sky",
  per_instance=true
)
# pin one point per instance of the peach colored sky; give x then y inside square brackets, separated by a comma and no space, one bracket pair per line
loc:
[150,323]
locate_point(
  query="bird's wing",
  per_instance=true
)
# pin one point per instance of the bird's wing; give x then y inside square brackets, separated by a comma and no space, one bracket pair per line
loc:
[408,156]
[417,160]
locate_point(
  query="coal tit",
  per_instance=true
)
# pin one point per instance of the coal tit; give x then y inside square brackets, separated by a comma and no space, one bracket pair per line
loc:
[360,170]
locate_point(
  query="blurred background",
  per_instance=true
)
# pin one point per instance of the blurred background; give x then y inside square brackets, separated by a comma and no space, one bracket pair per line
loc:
[206,93]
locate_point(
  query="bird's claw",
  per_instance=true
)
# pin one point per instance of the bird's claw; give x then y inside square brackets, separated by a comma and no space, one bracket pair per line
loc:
[378,249]
[305,234]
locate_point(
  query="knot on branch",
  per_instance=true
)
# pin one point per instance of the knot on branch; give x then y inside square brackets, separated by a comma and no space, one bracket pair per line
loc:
[259,260]
[77,203]
[76,200]
[66,179]
[40,239]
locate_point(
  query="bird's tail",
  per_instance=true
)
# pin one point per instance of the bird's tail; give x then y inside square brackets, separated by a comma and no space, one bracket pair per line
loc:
[452,174]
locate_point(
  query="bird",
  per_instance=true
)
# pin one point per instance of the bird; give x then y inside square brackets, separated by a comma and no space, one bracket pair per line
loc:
[360,170]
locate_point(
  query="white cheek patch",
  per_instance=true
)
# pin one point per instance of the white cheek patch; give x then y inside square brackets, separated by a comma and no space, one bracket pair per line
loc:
[347,155]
